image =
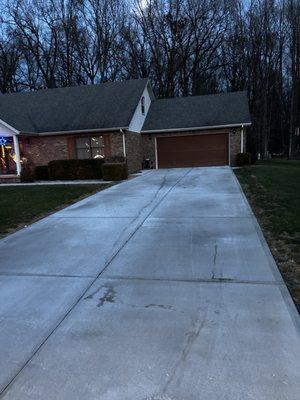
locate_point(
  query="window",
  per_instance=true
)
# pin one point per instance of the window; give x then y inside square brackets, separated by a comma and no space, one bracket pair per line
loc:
[143,105]
[89,147]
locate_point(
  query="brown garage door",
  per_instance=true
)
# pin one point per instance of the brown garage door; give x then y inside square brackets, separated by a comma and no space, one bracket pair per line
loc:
[192,151]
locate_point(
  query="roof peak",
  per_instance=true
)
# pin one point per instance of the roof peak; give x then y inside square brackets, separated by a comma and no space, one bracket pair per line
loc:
[101,106]
[74,87]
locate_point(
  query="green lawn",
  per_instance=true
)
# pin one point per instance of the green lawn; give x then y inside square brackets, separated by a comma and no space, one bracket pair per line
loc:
[273,190]
[21,205]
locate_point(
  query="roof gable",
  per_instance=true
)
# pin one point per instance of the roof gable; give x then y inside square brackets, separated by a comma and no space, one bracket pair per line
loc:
[104,106]
[198,112]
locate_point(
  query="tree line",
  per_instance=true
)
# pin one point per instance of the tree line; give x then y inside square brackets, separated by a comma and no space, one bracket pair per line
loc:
[186,47]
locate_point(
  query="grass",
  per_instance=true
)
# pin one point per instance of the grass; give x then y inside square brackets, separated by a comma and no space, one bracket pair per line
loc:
[273,190]
[22,205]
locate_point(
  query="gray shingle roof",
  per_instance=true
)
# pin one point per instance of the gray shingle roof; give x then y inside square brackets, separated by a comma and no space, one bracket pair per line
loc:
[103,106]
[198,111]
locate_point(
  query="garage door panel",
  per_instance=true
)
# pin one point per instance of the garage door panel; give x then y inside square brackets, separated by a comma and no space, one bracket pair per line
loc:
[190,151]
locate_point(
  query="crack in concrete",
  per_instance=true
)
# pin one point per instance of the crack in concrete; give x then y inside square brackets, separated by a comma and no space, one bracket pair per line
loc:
[214,261]
[216,253]
[191,336]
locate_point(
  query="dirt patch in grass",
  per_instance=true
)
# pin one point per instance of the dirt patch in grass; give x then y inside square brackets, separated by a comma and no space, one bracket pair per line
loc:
[273,191]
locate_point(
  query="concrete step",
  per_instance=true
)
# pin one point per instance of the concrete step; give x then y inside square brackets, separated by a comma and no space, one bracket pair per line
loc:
[9,179]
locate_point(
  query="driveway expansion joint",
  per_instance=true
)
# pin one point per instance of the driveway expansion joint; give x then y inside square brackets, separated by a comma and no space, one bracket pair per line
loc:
[38,275]
[212,280]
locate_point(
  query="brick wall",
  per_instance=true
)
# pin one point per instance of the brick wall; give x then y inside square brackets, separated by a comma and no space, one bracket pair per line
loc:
[148,148]
[134,151]
[41,150]
[116,144]
[235,146]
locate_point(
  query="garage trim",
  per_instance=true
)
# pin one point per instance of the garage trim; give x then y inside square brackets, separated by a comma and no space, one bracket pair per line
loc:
[200,128]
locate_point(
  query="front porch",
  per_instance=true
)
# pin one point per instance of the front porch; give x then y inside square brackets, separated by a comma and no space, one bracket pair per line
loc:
[10,160]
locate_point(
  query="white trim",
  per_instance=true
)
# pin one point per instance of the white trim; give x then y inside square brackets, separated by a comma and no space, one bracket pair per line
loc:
[155,149]
[184,134]
[138,118]
[17,153]
[74,131]
[9,126]
[149,87]
[197,128]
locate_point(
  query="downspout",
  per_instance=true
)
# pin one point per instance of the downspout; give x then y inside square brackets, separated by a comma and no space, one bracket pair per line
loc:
[124,142]
[242,139]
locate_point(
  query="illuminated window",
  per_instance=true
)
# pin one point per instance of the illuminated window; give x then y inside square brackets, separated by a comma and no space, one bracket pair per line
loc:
[89,147]
[143,105]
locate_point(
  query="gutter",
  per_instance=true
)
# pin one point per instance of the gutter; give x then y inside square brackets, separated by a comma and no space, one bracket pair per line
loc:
[74,132]
[199,128]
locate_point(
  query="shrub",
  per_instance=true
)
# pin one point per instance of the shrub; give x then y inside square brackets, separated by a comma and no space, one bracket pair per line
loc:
[85,169]
[75,169]
[41,173]
[243,159]
[62,169]
[115,159]
[114,171]
[97,165]
[27,174]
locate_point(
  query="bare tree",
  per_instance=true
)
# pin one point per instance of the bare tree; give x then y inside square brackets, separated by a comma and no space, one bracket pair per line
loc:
[185,47]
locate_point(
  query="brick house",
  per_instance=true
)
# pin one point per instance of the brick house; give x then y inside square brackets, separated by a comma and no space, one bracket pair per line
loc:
[121,118]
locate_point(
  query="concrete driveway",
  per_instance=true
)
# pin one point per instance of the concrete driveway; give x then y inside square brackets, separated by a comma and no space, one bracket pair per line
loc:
[159,288]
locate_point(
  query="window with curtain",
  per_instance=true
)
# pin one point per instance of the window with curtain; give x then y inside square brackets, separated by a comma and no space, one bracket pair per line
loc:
[89,147]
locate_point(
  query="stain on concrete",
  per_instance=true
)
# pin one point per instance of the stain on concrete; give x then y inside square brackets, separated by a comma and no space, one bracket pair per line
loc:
[108,296]
[161,397]
[165,307]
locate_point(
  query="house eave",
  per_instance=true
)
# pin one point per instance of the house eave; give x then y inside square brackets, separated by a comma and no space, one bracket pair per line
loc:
[74,132]
[198,128]
[9,127]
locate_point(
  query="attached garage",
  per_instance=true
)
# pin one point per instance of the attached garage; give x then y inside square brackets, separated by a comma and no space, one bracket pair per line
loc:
[196,131]
[192,150]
